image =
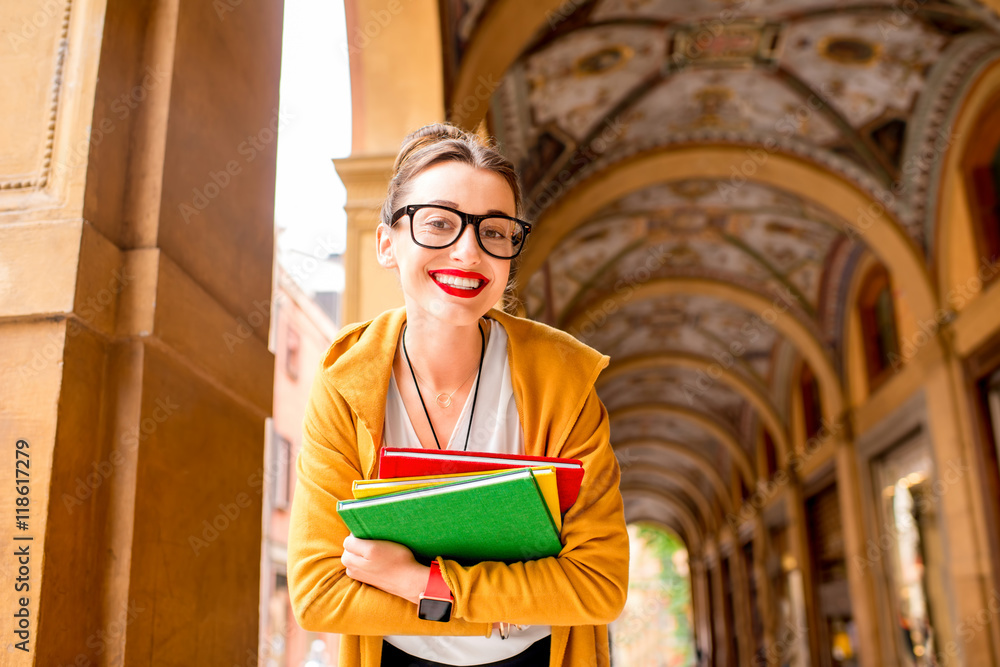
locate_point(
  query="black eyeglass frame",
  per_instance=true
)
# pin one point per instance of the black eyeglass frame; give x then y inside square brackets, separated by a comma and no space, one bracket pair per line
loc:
[467,219]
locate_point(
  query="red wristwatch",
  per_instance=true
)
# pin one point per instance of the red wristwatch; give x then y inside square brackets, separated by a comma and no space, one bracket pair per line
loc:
[436,600]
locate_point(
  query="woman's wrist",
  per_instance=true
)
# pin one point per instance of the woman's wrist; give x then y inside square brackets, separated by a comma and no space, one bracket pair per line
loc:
[416,582]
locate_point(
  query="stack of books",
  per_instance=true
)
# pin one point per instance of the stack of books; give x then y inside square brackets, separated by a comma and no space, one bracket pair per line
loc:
[467,506]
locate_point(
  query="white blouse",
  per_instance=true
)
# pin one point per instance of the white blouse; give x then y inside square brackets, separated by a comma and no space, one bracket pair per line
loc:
[496,428]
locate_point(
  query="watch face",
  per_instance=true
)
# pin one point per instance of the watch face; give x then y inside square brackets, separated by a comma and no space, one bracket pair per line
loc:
[434,610]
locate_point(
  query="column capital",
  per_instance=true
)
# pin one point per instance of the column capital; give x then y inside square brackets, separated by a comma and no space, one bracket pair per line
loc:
[366,179]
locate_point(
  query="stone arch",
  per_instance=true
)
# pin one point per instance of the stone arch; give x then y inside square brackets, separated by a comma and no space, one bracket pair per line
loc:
[786,324]
[724,436]
[753,394]
[688,529]
[708,516]
[956,267]
[864,216]
[703,464]
[503,33]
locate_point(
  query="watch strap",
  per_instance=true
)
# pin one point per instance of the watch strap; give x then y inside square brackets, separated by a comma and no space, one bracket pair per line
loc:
[436,586]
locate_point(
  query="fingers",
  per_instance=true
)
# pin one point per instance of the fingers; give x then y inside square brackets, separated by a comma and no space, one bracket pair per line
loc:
[357,546]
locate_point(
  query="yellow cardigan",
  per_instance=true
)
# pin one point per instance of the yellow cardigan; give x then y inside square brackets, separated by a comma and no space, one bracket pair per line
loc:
[577,592]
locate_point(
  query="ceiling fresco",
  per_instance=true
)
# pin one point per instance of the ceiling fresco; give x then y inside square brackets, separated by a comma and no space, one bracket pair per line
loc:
[859,87]
[696,325]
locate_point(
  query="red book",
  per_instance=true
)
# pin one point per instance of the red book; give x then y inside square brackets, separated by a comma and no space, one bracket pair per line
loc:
[415,462]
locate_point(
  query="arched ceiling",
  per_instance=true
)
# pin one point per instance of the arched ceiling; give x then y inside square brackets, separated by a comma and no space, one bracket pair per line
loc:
[857,88]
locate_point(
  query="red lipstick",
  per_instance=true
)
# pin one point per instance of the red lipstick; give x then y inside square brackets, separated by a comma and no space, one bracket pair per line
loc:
[460,291]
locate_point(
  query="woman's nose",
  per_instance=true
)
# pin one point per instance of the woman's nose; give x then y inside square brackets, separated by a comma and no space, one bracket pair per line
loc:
[466,247]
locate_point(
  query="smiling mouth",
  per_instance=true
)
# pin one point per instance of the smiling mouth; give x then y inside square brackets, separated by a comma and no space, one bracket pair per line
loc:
[458,282]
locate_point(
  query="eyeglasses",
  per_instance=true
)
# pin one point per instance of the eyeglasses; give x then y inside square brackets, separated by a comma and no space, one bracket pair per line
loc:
[433,226]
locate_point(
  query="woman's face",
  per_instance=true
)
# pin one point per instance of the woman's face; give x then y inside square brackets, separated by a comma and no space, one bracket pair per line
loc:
[436,283]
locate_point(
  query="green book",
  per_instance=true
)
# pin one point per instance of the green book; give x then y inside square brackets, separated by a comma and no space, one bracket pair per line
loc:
[503,517]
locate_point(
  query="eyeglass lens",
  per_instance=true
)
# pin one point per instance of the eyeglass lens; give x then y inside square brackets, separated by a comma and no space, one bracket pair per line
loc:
[437,228]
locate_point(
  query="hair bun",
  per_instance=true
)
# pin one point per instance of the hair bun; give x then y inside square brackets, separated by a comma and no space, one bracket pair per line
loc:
[428,135]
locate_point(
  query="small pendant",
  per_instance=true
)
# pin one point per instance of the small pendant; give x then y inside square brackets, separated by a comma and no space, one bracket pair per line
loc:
[444,400]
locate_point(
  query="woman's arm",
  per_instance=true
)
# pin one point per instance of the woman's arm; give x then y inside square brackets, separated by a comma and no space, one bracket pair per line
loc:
[587,582]
[324,598]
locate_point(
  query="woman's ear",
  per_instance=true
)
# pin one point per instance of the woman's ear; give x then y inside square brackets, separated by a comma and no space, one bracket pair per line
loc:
[384,250]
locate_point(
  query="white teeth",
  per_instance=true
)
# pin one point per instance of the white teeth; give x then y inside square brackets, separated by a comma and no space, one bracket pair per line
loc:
[455,281]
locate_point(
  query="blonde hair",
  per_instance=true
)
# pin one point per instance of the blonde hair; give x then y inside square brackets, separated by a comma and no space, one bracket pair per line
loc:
[443,142]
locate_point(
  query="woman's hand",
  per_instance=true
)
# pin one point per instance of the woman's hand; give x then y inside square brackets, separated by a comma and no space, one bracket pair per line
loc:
[385,565]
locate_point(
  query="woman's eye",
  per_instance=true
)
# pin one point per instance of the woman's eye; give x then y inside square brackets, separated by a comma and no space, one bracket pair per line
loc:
[439,223]
[494,232]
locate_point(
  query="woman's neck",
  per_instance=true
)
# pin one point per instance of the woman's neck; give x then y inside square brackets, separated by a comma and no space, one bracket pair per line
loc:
[443,355]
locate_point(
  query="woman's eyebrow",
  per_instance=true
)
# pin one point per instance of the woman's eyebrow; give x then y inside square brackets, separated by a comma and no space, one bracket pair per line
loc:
[451,204]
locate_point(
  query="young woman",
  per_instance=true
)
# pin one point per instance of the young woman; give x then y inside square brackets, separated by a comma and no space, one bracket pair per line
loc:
[448,371]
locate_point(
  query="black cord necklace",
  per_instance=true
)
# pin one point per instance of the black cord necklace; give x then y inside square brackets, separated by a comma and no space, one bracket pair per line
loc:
[475,395]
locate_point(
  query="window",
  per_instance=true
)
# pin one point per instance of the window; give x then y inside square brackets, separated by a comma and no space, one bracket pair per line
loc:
[812,412]
[292,343]
[281,467]
[878,326]
[981,169]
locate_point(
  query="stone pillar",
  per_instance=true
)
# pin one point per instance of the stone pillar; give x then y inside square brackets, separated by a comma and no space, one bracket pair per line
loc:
[136,245]
[397,86]
[369,288]
[701,603]
[859,579]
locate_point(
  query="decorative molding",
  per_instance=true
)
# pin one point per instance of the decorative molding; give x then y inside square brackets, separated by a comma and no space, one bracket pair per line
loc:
[43,177]
[366,180]
[753,141]
[947,86]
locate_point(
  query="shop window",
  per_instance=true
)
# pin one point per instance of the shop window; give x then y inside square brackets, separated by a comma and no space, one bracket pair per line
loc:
[878,326]
[655,627]
[913,559]
[837,631]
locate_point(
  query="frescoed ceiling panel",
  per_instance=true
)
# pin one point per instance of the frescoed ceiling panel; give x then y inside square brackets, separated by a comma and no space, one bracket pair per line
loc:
[576,82]
[865,66]
[697,325]
[752,234]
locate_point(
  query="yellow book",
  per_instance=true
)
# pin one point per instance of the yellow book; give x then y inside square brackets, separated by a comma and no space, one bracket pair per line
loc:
[544,475]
